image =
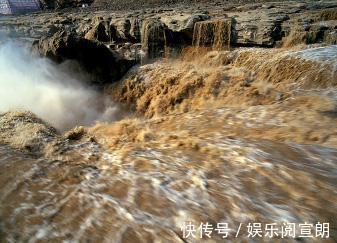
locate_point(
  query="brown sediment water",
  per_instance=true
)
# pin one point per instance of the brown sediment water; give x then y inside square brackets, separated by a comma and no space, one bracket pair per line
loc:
[215,34]
[144,179]
[153,38]
[242,77]
[219,138]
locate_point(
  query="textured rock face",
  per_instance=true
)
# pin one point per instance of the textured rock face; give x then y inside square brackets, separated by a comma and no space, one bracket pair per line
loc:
[104,65]
[135,29]
[257,27]
[252,24]
[121,30]
[181,27]
[112,30]
[314,27]
[99,32]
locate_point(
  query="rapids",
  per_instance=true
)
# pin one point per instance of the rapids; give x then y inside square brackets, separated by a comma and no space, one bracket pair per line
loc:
[226,138]
[150,192]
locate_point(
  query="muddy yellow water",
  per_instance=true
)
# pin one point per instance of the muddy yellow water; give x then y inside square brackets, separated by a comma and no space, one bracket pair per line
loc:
[237,138]
[145,189]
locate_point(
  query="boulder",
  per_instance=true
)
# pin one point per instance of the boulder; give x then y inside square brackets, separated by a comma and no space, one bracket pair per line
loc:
[120,30]
[102,64]
[99,32]
[125,30]
[83,28]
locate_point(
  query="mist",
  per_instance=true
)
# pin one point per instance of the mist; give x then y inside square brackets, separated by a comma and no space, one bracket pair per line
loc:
[53,92]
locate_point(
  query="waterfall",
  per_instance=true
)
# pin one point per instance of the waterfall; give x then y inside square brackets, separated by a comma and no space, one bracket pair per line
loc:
[215,34]
[153,38]
[135,30]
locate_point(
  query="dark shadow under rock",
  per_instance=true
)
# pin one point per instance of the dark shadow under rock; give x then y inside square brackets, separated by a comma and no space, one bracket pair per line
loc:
[102,64]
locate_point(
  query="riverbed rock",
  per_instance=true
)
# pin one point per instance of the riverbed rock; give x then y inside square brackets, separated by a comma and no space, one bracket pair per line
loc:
[181,27]
[254,24]
[102,64]
[310,28]
[120,30]
[99,32]
[135,30]
[257,27]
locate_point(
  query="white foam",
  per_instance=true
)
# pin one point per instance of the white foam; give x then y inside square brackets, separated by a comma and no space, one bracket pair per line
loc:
[48,90]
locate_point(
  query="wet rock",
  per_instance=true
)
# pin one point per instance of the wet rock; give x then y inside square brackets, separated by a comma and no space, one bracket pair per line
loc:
[52,29]
[183,23]
[99,32]
[103,65]
[257,27]
[330,37]
[83,29]
[121,30]
[180,28]
[309,28]
[24,130]
[128,50]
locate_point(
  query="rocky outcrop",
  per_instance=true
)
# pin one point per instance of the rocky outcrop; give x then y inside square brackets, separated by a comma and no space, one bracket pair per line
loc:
[180,27]
[257,27]
[256,24]
[103,65]
[313,27]
[135,28]
[99,32]
[120,30]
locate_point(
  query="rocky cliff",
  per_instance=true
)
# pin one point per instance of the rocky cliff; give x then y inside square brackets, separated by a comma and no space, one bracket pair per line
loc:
[254,24]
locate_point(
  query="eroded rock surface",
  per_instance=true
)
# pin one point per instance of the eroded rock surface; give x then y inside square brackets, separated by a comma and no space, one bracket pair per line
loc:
[103,65]
[252,24]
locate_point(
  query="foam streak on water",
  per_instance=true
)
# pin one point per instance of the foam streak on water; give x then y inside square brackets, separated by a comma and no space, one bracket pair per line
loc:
[154,190]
